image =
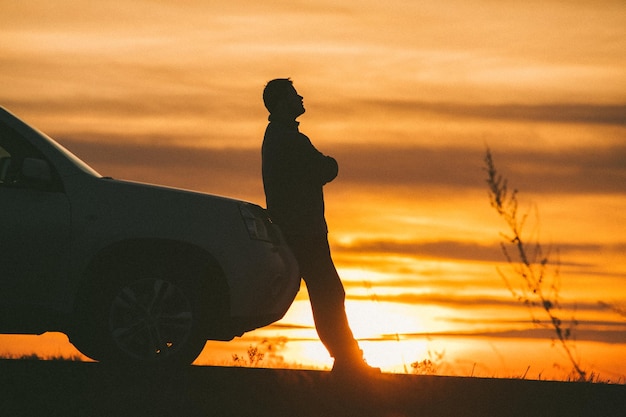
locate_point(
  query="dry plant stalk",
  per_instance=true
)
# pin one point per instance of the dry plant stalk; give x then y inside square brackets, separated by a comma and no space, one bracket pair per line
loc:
[535,280]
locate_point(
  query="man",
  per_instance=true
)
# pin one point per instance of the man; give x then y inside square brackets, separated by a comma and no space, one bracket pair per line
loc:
[294,173]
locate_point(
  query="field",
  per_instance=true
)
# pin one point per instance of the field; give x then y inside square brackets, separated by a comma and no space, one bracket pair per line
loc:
[68,388]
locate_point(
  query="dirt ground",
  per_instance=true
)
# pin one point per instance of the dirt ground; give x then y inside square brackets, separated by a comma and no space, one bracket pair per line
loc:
[63,388]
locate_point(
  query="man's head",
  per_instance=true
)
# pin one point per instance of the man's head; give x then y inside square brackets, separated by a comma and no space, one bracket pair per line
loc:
[282,100]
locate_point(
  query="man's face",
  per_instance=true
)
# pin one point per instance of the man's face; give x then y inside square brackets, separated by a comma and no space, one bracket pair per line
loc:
[292,104]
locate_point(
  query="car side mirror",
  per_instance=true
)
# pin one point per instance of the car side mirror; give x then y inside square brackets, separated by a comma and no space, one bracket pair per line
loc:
[36,170]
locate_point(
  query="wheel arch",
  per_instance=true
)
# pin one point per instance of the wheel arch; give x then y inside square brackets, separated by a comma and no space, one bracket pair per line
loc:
[143,254]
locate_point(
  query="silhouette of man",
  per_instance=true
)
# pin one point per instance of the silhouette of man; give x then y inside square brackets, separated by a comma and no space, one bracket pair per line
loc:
[294,173]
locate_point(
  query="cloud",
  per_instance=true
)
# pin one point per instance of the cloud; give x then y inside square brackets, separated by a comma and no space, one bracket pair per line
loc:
[583,170]
[224,171]
[448,299]
[597,170]
[473,301]
[576,259]
[440,249]
[125,92]
[611,114]
[612,336]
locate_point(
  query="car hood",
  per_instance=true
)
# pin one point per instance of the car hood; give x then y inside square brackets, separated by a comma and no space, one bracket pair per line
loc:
[163,193]
[117,208]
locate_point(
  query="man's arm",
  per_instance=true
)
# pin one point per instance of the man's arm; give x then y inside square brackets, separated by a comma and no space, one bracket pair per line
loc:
[328,169]
[316,166]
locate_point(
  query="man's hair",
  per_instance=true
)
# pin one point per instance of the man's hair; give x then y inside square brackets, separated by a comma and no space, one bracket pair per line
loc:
[275,91]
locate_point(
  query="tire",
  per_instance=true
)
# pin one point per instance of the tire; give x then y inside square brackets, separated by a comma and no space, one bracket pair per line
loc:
[155,321]
[146,314]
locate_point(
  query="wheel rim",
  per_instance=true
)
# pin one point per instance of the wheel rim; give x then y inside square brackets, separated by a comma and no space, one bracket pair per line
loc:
[150,319]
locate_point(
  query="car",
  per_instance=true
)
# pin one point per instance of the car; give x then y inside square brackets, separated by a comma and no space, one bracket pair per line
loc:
[133,273]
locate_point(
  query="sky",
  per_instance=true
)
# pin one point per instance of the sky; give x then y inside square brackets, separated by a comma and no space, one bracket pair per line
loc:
[407,96]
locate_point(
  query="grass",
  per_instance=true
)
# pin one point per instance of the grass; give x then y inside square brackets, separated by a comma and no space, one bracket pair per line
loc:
[257,357]
[37,357]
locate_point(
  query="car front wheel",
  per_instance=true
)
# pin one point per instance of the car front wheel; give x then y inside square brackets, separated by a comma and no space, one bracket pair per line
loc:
[143,314]
[154,320]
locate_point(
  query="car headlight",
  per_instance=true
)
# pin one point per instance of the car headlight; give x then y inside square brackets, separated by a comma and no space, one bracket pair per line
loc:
[258,223]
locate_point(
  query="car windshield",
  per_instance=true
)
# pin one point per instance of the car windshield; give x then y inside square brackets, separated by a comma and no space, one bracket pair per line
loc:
[73,158]
[21,128]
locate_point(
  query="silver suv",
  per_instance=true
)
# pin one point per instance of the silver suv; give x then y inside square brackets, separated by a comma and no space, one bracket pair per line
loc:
[132,273]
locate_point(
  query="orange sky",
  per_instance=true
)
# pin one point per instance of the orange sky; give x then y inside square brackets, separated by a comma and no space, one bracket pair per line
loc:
[405,94]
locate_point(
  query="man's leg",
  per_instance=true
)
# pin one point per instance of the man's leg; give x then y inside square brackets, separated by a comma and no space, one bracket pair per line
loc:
[327,297]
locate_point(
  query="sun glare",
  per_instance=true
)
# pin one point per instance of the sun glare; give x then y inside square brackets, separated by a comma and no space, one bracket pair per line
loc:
[395,356]
[382,320]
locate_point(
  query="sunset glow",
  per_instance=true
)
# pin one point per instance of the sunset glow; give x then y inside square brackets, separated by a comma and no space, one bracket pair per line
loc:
[407,96]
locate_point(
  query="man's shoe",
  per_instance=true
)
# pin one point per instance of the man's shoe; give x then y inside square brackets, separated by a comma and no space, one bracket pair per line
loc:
[354,367]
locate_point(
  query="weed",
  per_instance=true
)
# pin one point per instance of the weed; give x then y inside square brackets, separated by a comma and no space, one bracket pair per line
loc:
[619,310]
[429,366]
[536,281]
[255,356]
[266,351]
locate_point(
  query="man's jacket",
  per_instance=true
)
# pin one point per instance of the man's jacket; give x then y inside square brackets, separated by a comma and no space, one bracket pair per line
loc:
[294,173]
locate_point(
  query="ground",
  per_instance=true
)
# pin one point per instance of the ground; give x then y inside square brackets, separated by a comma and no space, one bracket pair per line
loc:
[64,388]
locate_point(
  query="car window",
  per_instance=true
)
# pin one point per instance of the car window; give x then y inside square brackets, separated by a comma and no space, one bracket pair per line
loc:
[5,160]
[13,151]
